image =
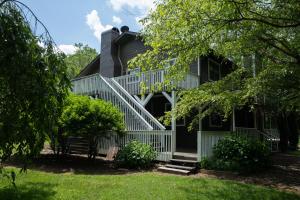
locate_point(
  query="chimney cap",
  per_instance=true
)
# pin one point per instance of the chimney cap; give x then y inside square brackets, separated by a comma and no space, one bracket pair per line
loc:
[115,29]
[124,29]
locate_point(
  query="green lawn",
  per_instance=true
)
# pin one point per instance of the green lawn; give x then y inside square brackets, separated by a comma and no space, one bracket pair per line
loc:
[40,185]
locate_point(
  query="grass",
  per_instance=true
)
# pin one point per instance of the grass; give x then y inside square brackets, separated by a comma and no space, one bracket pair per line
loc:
[294,153]
[47,186]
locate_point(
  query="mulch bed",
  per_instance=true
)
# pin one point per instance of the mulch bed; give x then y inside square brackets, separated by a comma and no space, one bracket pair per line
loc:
[284,174]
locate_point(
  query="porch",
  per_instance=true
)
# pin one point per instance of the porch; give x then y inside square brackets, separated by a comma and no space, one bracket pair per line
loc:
[163,142]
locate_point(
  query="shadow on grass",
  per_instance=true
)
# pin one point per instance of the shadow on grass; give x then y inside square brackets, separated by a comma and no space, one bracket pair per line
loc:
[202,189]
[73,164]
[30,191]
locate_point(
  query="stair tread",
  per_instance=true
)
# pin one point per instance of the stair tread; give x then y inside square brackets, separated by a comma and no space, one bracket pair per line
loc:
[184,161]
[180,167]
[173,170]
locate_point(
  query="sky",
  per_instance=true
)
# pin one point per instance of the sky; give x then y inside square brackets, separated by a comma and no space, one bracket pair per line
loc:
[82,21]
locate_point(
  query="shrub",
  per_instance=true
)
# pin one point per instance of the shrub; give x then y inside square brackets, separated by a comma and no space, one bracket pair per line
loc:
[88,118]
[83,116]
[136,155]
[238,154]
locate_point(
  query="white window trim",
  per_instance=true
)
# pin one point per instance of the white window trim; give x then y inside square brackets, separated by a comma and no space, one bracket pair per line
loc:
[208,68]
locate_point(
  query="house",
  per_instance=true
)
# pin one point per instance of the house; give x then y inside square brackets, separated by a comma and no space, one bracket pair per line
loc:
[108,77]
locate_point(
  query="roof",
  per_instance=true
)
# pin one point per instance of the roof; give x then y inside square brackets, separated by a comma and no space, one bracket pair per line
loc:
[125,37]
[92,68]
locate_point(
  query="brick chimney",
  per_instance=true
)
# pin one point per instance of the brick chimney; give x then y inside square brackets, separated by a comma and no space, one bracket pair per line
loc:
[109,63]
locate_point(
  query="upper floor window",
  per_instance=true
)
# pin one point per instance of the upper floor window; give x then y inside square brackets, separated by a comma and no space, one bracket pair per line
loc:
[214,71]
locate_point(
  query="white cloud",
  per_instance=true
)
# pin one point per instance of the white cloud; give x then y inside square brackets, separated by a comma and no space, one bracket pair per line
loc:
[143,5]
[117,20]
[67,48]
[95,24]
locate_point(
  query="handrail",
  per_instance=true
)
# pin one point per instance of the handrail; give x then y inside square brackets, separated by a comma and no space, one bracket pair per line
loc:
[143,110]
[131,82]
[129,106]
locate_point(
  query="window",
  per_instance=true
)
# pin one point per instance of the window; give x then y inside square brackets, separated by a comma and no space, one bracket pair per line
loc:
[214,72]
[215,120]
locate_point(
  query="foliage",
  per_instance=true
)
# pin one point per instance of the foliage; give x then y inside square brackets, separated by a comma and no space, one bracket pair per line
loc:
[83,116]
[81,58]
[265,33]
[136,155]
[238,153]
[33,85]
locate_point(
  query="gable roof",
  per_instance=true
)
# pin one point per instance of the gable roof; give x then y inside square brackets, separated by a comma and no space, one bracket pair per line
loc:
[92,68]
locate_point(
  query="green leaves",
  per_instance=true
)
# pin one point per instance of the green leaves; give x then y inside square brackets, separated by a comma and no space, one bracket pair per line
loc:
[33,86]
[81,58]
[136,155]
[266,30]
[83,116]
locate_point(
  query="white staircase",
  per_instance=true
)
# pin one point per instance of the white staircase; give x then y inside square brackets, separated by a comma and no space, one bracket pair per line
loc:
[136,117]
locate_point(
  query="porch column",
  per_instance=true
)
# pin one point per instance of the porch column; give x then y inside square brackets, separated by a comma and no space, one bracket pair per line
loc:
[233,120]
[199,139]
[172,99]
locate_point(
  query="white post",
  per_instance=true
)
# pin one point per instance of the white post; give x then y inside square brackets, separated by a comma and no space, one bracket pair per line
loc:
[199,140]
[233,120]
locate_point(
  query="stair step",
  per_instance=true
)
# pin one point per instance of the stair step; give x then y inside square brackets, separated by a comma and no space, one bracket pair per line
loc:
[180,167]
[184,161]
[78,146]
[174,171]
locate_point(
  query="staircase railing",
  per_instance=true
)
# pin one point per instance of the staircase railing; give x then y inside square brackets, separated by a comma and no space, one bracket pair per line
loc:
[136,105]
[98,87]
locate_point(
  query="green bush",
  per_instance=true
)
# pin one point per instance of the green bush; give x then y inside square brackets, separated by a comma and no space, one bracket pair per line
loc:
[83,116]
[238,154]
[88,118]
[136,155]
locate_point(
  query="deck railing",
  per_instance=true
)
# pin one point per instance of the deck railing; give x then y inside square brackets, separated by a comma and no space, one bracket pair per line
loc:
[159,140]
[207,140]
[154,81]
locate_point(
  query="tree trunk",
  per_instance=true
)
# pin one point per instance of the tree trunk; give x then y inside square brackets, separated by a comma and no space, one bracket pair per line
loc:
[284,131]
[293,127]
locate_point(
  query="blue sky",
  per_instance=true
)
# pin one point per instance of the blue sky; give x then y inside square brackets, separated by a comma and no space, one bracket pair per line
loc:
[74,21]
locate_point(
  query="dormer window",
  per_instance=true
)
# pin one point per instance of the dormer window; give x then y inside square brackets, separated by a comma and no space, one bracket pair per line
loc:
[214,71]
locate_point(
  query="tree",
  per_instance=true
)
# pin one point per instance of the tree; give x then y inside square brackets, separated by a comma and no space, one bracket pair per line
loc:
[89,118]
[236,30]
[33,83]
[81,58]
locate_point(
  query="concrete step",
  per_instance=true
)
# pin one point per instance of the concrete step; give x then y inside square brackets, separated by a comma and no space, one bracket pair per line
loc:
[79,146]
[181,167]
[184,162]
[185,156]
[174,171]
